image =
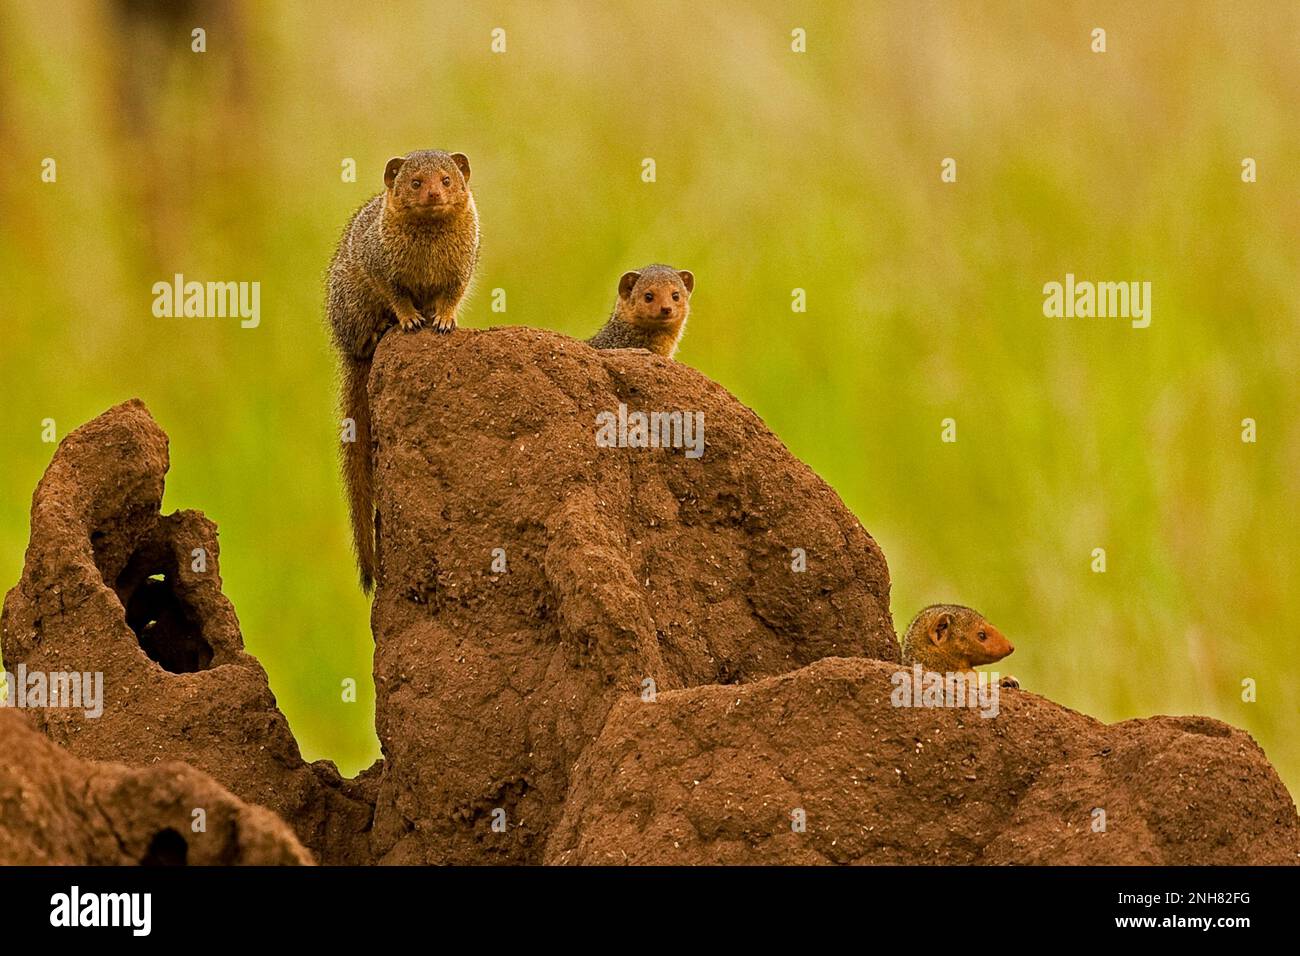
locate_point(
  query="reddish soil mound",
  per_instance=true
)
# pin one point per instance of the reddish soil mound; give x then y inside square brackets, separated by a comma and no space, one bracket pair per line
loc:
[112,586]
[623,565]
[716,774]
[56,809]
[652,677]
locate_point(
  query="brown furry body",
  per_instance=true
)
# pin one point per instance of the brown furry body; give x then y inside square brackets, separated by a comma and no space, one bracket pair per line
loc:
[406,257]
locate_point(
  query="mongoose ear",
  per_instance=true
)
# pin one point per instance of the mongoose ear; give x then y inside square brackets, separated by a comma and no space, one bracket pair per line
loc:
[390,171]
[626,283]
[940,628]
[688,280]
[462,163]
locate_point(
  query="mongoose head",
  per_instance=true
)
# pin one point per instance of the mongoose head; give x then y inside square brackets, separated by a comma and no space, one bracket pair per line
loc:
[428,184]
[656,297]
[949,637]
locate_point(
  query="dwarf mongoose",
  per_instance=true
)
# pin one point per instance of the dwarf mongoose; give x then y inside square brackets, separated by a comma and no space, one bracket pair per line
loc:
[949,638]
[406,258]
[650,312]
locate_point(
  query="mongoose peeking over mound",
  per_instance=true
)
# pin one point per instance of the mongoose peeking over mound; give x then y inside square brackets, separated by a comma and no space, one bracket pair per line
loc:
[406,257]
[949,638]
[650,312]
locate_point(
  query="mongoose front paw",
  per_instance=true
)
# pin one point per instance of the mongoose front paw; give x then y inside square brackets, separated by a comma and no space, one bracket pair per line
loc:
[444,323]
[1010,681]
[410,321]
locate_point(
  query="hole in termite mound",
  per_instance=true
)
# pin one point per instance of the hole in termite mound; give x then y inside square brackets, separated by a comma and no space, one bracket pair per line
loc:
[167,848]
[167,627]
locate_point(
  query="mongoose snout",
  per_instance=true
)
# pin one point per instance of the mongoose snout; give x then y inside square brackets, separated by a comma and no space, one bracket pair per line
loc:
[992,644]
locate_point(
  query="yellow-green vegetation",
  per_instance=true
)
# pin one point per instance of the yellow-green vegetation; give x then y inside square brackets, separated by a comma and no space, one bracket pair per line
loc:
[775,171]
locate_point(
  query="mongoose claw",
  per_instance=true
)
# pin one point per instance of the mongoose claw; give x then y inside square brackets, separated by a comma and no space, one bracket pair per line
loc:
[1010,681]
[444,324]
[411,322]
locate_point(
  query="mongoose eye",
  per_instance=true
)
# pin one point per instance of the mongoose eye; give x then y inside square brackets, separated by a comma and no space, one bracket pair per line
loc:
[676,296]
[649,296]
[446,180]
[415,184]
[983,636]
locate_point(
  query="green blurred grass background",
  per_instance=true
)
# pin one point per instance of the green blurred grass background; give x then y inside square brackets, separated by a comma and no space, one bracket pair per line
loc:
[776,170]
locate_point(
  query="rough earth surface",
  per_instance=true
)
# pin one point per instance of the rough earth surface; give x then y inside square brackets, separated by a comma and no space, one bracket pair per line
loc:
[58,810]
[623,565]
[716,775]
[110,585]
[583,654]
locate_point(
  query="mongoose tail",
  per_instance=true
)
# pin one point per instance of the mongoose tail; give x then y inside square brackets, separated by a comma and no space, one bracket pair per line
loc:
[358,469]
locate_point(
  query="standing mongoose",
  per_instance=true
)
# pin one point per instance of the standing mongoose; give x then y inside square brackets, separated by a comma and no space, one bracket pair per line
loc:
[949,638]
[406,257]
[650,312]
